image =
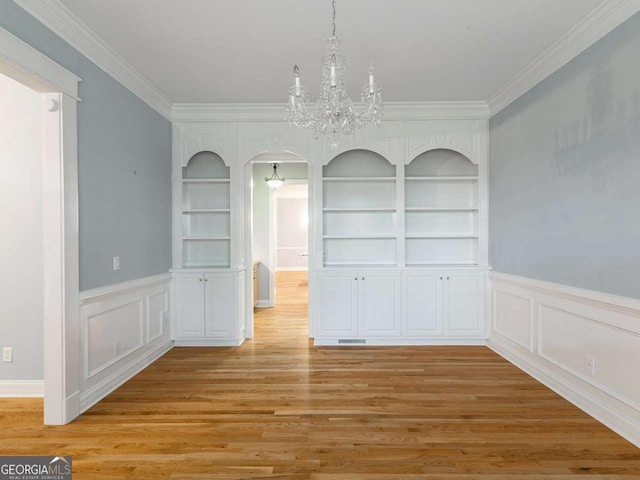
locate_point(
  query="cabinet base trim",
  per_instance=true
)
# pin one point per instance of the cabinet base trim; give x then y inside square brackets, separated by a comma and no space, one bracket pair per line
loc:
[209,342]
[391,341]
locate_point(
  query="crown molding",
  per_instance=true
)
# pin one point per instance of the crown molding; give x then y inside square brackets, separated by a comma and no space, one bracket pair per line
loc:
[273,112]
[595,25]
[64,23]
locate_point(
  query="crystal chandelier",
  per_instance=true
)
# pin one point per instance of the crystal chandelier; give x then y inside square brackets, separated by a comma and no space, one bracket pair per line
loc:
[334,114]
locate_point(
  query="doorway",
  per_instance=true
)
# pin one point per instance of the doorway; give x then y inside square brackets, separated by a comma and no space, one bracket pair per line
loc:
[58,92]
[279,245]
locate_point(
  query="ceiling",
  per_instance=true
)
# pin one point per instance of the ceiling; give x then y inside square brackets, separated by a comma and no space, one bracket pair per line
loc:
[227,51]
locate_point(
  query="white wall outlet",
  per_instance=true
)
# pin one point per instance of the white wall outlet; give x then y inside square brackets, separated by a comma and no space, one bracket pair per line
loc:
[7,354]
[590,364]
[116,263]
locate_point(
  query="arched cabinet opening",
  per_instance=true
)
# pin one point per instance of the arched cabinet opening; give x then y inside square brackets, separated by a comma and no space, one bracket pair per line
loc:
[206,211]
[359,210]
[441,209]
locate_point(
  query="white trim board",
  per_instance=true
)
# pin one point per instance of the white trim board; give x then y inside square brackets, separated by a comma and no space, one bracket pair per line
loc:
[551,331]
[64,23]
[595,25]
[21,388]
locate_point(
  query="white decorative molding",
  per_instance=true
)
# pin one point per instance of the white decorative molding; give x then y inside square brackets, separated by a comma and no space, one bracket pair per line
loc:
[131,322]
[28,64]
[100,390]
[274,112]
[549,330]
[595,25]
[21,388]
[102,293]
[463,144]
[64,23]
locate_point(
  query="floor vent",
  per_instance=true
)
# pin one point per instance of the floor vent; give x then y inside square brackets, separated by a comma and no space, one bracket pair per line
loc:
[352,340]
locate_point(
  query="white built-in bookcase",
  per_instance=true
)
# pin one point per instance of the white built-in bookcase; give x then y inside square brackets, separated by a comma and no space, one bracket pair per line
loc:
[441,209]
[206,211]
[359,210]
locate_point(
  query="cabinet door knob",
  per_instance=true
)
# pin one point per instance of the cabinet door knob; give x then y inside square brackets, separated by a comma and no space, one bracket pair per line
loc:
[362,278]
[356,278]
[199,279]
[440,278]
[447,278]
[206,279]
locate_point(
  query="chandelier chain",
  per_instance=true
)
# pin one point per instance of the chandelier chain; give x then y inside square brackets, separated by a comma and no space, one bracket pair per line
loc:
[334,17]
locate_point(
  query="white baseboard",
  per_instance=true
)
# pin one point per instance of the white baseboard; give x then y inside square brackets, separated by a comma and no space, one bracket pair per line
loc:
[209,342]
[116,379]
[551,330]
[399,341]
[21,388]
[264,304]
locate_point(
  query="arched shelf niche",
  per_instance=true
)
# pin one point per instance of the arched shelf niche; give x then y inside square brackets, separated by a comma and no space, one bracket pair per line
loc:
[359,210]
[206,212]
[441,209]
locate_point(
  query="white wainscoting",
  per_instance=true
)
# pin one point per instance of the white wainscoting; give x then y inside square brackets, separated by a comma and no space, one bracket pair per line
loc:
[553,331]
[125,328]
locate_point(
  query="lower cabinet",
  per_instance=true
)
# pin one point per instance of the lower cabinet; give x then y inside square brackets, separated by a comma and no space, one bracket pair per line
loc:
[401,306]
[209,308]
[359,304]
[449,304]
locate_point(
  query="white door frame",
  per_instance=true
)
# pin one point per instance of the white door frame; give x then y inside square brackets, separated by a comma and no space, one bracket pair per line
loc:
[59,89]
[246,170]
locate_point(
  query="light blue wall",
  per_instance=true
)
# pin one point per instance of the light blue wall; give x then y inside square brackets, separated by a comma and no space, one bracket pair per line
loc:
[124,165]
[564,172]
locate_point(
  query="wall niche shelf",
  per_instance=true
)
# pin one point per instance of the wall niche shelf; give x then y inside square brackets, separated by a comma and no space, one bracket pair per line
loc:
[441,209]
[206,232]
[359,211]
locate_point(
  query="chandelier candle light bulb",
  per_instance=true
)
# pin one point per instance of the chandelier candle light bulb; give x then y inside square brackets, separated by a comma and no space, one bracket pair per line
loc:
[334,114]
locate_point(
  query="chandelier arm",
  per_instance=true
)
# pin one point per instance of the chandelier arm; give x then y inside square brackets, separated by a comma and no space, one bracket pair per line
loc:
[333,3]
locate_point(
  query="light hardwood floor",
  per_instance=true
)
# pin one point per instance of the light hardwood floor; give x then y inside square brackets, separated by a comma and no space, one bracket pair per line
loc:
[278,408]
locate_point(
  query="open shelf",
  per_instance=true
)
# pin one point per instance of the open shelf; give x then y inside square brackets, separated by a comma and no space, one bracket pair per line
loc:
[359,179]
[391,236]
[206,212]
[441,235]
[441,209]
[442,179]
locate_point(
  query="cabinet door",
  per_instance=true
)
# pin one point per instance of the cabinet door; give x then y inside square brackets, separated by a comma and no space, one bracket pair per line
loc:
[380,297]
[190,303]
[338,305]
[218,303]
[464,305]
[423,306]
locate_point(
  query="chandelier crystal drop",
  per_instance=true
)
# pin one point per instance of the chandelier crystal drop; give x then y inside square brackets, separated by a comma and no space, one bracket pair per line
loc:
[334,114]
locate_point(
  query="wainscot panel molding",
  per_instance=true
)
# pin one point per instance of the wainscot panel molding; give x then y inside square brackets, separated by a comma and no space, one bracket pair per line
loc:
[584,345]
[125,328]
[64,23]
[599,22]
[21,388]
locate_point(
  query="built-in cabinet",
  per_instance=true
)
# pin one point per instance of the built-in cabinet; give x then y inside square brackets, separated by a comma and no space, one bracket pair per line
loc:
[359,304]
[209,292]
[398,231]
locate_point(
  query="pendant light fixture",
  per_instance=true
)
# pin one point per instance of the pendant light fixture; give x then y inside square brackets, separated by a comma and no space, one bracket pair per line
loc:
[274,181]
[334,114]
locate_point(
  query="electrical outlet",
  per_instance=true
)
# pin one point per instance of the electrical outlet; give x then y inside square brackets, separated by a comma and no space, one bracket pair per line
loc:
[590,364]
[7,354]
[116,263]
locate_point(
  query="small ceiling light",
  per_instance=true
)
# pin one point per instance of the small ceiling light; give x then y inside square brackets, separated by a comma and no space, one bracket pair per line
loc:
[274,181]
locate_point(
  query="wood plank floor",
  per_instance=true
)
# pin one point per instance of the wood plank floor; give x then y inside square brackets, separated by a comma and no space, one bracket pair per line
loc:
[278,408]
